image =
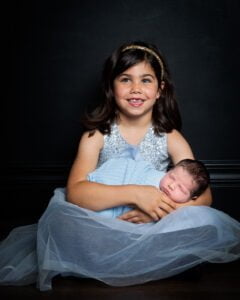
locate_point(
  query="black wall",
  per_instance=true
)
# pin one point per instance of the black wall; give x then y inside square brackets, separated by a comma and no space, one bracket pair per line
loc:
[55,52]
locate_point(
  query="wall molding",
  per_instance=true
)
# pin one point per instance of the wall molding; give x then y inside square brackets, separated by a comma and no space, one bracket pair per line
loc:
[15,175]
[224,173]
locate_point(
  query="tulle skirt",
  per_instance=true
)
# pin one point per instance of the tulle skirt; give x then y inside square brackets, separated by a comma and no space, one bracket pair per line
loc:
[69,240]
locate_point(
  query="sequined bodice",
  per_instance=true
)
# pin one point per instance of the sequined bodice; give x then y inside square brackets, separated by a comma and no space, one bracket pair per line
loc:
[153,148]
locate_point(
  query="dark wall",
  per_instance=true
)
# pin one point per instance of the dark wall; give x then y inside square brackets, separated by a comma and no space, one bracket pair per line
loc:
[56,51]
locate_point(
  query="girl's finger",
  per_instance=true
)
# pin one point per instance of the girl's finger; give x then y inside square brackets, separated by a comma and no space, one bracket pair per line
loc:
[166,207]
[127,215]
[134,220]
[160,212]
[155,215]
[168,201]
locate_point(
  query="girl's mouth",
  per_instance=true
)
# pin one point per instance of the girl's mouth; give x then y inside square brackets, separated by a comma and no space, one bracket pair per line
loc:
[135,102]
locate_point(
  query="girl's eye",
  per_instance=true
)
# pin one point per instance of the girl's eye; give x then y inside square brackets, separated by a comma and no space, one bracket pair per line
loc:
[146,80]
[124,79]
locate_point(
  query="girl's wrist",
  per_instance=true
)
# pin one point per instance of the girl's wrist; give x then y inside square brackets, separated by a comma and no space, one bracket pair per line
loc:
[130,194]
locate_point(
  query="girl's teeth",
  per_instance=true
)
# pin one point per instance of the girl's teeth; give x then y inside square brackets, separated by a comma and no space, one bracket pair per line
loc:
[135,100]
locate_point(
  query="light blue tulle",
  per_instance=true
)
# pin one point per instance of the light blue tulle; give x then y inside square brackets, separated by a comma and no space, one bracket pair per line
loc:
[70,240]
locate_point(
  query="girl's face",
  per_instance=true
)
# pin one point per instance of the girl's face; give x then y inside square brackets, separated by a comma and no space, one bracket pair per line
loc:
[178,184]
[136,90]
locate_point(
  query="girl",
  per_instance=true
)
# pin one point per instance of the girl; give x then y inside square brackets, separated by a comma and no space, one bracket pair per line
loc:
[139,108]
[72,239]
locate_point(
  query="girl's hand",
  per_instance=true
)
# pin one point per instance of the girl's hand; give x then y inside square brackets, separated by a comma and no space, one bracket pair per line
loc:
[153,202]
[136,216]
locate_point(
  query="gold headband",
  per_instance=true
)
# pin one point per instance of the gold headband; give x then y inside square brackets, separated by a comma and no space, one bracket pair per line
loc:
[149,51]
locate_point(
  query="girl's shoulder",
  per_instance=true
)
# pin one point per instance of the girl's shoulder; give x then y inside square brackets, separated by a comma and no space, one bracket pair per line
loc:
[174,134]
[178,147]
[175,137]
[90,138]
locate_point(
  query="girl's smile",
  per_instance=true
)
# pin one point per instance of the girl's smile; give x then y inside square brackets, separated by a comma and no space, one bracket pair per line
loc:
[135,102]
[136,90]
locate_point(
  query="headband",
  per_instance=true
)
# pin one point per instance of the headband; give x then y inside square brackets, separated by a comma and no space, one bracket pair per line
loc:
[149,51]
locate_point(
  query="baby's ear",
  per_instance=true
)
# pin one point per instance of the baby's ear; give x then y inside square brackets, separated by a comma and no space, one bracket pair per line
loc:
[194,198]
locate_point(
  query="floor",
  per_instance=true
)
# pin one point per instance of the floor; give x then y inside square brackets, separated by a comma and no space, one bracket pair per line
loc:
[220,281]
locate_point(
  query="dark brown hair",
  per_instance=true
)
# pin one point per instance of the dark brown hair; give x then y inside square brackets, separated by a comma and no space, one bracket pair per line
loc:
[199,172]
[165,116]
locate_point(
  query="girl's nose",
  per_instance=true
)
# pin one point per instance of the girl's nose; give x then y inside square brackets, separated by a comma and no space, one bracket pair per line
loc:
[171,186]
[135,88]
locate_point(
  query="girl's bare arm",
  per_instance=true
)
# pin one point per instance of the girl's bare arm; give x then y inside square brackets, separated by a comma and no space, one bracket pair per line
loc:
[90,194]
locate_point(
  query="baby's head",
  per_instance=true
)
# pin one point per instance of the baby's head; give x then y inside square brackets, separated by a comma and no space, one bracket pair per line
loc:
[187,180]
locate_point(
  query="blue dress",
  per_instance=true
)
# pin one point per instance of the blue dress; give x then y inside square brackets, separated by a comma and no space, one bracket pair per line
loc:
[127,167]
[70,240]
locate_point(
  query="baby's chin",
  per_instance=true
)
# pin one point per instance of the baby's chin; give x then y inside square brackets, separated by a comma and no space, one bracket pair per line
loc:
[180,201]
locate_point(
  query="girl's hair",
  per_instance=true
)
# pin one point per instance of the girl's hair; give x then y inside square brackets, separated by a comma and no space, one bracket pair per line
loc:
[165,116]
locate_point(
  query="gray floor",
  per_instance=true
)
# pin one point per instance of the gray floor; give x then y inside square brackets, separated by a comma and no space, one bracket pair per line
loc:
[210,281]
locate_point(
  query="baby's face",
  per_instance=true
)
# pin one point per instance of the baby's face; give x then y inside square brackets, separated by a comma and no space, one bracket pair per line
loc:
[178,184]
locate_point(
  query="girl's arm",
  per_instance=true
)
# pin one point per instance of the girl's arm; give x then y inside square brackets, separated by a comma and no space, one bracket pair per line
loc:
[80,191]
[97,196]
[179,149]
